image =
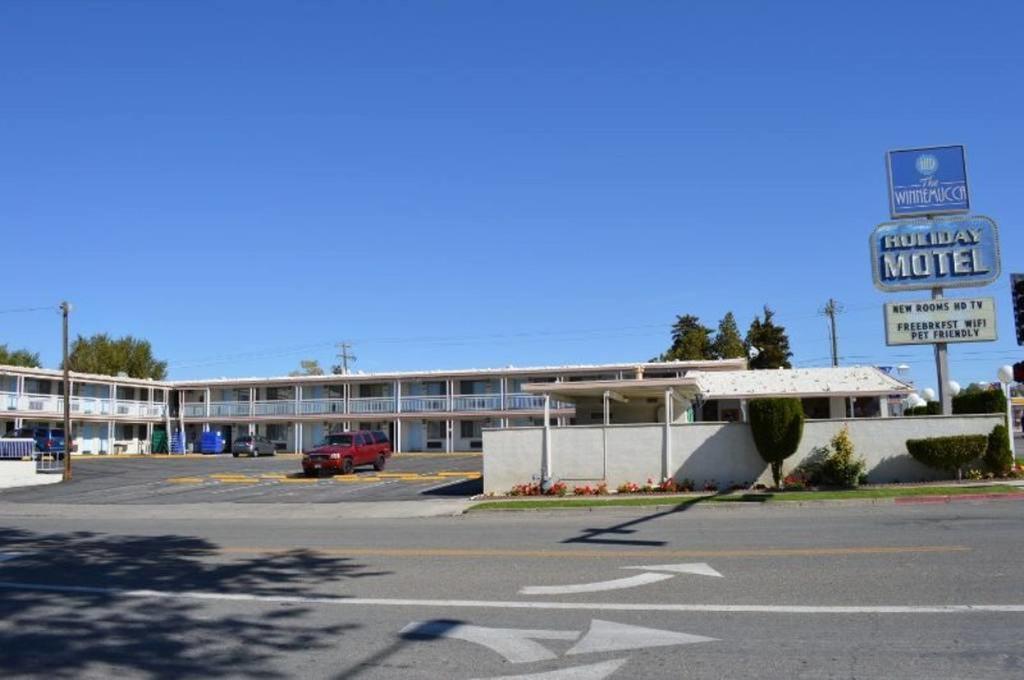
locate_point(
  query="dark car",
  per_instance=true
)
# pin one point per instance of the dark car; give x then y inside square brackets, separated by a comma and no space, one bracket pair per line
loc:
[48,440]
[252,446]
[343,451]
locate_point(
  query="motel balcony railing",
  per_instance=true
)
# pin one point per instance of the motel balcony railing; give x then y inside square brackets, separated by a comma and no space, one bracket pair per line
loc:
[361,406]
[53,405]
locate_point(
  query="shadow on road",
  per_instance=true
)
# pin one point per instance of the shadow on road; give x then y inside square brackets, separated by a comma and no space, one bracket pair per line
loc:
[425,631]
[68,634]
[607,535]
[467,487]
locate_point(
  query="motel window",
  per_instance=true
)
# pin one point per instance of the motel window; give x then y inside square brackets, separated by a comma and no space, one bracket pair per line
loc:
[471,429]
[435,429]
[816,408]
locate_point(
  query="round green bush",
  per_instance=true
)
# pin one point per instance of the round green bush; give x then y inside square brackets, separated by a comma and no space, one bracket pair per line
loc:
[998,458]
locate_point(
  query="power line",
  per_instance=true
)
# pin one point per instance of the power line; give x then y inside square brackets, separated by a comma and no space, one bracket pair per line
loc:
[345,355]
[19,310]
[830,310]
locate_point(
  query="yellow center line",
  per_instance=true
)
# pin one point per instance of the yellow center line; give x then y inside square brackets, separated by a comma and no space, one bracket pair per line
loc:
[185,480]
[609,554]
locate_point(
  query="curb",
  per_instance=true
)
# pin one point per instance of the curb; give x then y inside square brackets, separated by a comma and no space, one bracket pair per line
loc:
[933,500]
[737,505]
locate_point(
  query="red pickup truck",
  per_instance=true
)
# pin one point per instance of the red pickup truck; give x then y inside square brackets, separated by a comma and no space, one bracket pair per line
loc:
[343,451]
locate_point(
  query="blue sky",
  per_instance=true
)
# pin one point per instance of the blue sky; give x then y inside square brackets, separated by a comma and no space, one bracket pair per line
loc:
[461,184]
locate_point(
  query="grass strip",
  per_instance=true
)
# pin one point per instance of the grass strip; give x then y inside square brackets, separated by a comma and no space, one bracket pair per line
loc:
[761,497]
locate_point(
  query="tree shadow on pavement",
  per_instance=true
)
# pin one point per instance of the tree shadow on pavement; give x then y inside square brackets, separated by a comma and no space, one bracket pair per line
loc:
[99,631]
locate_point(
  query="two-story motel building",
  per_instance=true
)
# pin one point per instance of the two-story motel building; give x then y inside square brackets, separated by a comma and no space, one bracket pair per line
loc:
[442,411]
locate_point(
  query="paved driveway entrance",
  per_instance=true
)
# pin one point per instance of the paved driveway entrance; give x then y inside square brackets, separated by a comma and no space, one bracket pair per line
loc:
[277,479]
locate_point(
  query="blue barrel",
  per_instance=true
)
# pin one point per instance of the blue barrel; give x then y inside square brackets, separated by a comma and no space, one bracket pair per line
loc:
[211,442]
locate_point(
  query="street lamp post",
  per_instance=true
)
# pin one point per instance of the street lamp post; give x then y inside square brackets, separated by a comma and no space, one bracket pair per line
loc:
[65,308]
[1005,375]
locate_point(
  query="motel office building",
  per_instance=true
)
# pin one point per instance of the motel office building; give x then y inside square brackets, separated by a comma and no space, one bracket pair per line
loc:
[439,411]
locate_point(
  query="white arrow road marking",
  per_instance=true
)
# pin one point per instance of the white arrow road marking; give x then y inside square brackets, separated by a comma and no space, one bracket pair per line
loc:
[700,568]
[615,584]
[9,556]
[608,636]
[512,643]
[595,671]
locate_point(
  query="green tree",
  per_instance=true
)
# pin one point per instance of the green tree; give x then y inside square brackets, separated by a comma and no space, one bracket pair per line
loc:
[777,426]
[19,357]
[691,340]
[308,367]
[771,342]
[111,356]
[728,344]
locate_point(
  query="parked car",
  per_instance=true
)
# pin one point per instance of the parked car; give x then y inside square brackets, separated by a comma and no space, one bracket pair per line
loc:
[342,452]
[48,440]
[252,446]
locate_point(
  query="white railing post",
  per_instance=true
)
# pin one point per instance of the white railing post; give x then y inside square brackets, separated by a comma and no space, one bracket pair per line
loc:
[666,450]
[545,460]
[252,403]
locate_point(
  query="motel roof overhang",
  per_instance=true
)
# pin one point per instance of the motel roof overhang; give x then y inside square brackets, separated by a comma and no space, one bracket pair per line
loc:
[618,390]
[711,365]
[853,381]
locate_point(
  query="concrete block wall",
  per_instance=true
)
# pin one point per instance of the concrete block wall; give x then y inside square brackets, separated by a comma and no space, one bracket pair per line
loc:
[723,452]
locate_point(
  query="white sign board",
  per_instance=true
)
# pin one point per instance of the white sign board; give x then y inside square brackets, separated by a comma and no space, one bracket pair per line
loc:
[924,322]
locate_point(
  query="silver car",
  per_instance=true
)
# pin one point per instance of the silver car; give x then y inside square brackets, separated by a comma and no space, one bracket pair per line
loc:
[252,446]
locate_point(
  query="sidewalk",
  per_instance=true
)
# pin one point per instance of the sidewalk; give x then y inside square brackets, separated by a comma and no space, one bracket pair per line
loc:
[244,511]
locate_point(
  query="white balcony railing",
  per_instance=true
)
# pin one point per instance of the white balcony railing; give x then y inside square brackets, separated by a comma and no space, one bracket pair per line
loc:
[229,409]
[193,410]
[274,407]
[372,405]
[424,404]
[478,402]
[53,404]
[316,407]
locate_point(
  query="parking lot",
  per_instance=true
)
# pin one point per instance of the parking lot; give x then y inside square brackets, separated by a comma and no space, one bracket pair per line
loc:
[272,479]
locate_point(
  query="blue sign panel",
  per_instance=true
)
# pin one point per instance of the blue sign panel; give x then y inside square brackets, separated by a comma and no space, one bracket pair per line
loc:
[942,253]
[930,181]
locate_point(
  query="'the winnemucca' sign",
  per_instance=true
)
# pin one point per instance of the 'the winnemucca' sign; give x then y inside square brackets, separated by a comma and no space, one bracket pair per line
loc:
[930,181]
[942,253]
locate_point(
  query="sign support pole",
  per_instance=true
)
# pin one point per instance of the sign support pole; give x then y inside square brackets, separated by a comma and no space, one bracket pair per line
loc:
[942,368]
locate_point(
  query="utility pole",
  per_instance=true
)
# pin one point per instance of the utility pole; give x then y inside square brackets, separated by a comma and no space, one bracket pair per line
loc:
[65,308]
[346,356]
[831,310]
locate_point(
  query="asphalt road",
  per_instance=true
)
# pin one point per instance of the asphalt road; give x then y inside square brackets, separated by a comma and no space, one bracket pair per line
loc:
[803,592]
[270,479]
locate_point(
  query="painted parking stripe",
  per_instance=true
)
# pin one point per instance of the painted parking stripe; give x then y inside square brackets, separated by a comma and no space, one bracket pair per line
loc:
[511,604]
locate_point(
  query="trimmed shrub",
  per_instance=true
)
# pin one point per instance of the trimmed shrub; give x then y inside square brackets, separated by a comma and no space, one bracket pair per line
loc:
[998,458]
[948,453]
[777,426]
[983,401]
[841,466]
[932,408]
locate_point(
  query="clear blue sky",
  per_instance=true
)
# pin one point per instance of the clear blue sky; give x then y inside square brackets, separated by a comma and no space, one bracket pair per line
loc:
[463,184]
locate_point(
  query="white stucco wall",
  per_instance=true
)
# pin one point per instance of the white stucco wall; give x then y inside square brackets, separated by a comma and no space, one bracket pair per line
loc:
[723,452]
[15,473]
